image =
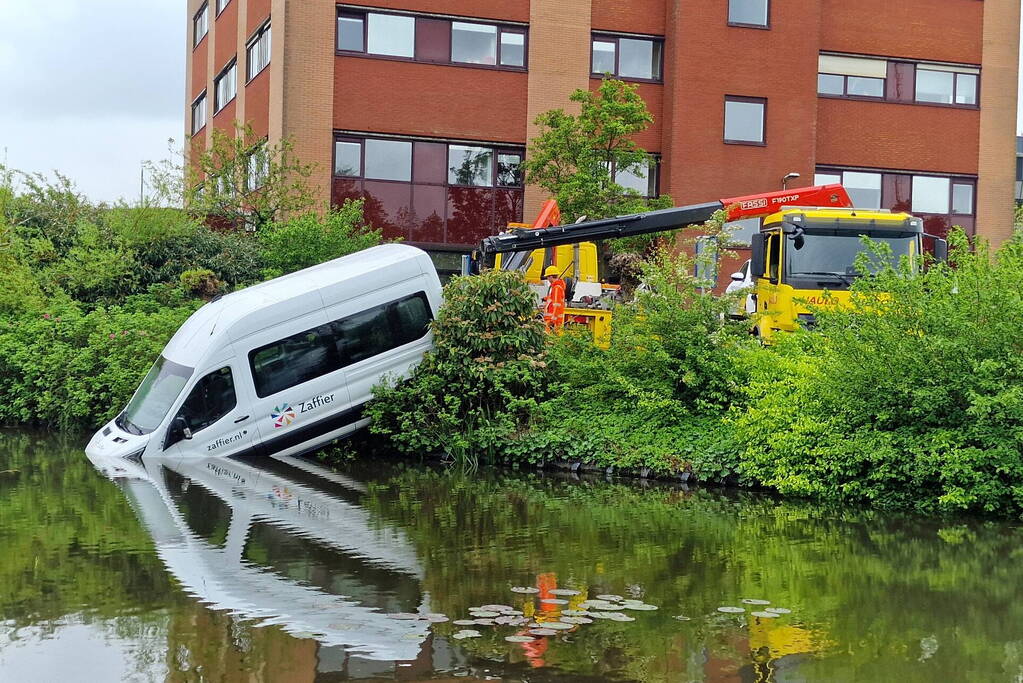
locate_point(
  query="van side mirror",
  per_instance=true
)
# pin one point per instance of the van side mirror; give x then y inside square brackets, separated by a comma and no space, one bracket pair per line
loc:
[180,428]
[940,250]
[758,249]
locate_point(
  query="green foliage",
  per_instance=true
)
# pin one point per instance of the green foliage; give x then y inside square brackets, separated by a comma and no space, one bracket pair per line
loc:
[911,397]
[309,239]
[572,155]
[487,370]
[71,367]
[233,256]
[201,282]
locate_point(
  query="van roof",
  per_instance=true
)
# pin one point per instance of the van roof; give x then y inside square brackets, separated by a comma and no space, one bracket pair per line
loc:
[239,314]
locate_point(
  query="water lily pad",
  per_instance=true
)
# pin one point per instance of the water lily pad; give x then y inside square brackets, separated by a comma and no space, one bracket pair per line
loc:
[543,632]
[620,616]
[778,610]
[765,615]
[467,634]
[577,620]
[751,601]
[520,639]
[496,608]
[601,615]
[608,607]
[486,614]
[404,616]
[682,617]
[554,601]
[463,622]
[558,625]
[641,607]
[732,610]
[484,622]
[510,621]
[564,591]
[512,612]
[632,601]
[524,589]
[436,618]
[575,612]
[611,598]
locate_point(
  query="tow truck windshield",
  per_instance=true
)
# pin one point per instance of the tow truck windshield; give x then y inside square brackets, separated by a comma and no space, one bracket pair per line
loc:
[154,397]
[816,259]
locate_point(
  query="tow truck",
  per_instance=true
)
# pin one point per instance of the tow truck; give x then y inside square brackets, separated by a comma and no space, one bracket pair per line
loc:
[802,258]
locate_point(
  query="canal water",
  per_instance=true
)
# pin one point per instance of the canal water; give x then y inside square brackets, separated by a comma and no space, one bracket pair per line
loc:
[281,570]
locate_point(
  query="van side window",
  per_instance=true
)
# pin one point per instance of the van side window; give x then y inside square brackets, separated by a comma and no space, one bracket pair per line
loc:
[211,398]
[324,349]
[293,360]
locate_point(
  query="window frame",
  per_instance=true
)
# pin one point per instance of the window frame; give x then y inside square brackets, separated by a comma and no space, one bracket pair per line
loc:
[655,170]
[234,391]
[616,38]
[257,154]
[886,174]
[218,106]
[200,99]
[766,26]
[260,33]
[922,66]
[724,120]
[196,38]
[363,14]
[845,88]
[221,6]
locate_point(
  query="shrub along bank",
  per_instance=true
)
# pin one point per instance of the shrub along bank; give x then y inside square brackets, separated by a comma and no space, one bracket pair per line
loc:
[912,397]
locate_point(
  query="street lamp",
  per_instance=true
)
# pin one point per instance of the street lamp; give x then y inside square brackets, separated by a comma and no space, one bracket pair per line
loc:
[787,178]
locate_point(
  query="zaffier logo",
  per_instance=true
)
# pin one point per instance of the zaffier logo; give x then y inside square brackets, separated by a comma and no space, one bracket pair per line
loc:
[282,415]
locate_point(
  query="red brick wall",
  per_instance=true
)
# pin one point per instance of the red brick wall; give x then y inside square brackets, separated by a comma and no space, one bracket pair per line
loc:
[224,120]
[200,57]
[706,60]
[508,10]
[946,30]
[257,103]
[635,16]
[226,36]
[256,13]
[390,96]
[898,136]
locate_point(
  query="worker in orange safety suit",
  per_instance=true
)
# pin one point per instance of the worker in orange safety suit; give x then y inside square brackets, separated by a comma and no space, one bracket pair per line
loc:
[554,302]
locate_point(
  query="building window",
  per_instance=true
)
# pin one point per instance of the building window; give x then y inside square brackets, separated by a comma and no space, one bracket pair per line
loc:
[930,194]
[513,48]
[437,192]
[225,86]
[258,52]
[257,168]
[200,24]
[641,178]
[962,199]
[199,113]
[850,86]
[390,35]
[351,32]
[748,12]
[221,4]
[487,44]
[945,87]
[864,188]
[627,57]
[744,120]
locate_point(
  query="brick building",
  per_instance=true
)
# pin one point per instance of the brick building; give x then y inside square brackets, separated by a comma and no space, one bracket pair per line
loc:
[425,106]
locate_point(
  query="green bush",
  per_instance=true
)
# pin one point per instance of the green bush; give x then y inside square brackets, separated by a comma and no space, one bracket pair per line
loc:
[911,397]
[310,239]
[201,283]
[485,374]
[75,368]
[234,257]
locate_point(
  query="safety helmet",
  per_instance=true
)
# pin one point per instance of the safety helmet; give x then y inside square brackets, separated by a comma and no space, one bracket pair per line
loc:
[551,270]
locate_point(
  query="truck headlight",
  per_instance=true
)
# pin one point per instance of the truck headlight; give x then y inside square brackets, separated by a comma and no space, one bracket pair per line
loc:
[807,320]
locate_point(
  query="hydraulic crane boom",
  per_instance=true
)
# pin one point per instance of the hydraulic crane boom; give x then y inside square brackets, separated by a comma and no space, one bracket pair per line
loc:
[737,208]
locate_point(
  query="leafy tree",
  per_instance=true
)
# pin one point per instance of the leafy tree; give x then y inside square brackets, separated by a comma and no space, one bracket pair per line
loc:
[239,181]
[573,156]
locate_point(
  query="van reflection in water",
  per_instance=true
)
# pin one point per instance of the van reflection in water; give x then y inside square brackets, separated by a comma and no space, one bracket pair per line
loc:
[283,542]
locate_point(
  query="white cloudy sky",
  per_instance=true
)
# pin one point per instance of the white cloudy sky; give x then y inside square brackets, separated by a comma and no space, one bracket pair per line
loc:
[93,88]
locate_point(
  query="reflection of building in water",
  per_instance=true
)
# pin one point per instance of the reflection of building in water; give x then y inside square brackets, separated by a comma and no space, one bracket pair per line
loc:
[281,542]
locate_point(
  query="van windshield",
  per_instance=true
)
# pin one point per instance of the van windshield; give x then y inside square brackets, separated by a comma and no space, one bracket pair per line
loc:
[154,397]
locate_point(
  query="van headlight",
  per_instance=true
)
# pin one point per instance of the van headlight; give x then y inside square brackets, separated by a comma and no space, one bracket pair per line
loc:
[136,457]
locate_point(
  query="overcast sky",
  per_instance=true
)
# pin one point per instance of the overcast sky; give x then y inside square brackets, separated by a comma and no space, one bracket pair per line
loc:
[94,87]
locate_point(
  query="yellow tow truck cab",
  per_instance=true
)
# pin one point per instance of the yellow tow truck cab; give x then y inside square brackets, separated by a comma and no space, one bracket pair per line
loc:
[804,258]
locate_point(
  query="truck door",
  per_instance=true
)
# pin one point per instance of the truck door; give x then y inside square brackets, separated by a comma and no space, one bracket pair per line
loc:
[214,415]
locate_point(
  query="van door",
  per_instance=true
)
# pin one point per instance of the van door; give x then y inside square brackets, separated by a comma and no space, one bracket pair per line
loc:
[299,389]
[211,421]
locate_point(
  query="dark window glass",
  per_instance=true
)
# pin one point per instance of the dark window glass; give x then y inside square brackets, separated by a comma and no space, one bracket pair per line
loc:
[225,86]
[382,328]
[509,170]
[430,162]
[200,24]
[221,4]
[861,86]
[350,31]
[348,159]
[639,58]
[470,166]
[604,56]
[934,86]
[962,199]
[830,84]
[388,160]
[293,360]
[966,89]
[433,40]
[744,120]
[389,34]
[211,398]
[473,43]
[199,113]
[752,12]
[513,48]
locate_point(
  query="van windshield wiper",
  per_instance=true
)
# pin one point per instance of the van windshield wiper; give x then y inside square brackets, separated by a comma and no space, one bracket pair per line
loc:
[841,276]
[127,425]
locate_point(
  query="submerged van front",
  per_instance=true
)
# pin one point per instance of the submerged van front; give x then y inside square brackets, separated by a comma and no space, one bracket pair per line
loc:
[284,366]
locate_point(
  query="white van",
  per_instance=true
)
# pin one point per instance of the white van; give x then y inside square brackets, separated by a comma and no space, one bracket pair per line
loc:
[285,366]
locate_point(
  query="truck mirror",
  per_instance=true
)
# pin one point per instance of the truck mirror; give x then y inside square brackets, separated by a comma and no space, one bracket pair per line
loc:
[757,265]
[940,250]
